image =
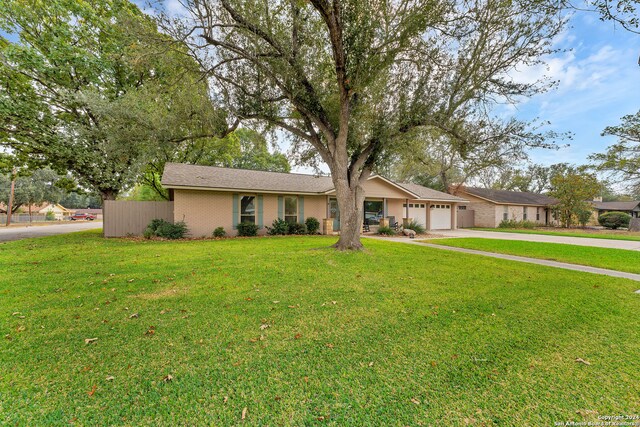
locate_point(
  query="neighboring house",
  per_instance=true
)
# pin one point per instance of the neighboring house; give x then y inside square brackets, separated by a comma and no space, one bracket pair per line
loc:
[632,208]
[207,197]
[95,212]
[493,206]
[59,211]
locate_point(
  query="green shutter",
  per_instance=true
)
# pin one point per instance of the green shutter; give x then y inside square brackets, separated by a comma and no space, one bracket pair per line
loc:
[260,211]
[280,207]
[300,209]
[235,210]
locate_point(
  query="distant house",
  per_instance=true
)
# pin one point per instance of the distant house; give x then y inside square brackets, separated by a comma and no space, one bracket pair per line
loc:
[59,211]
[632,208]
[493,206]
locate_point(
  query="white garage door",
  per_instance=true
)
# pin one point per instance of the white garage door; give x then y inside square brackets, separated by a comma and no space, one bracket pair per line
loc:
[418,211]
[440,217]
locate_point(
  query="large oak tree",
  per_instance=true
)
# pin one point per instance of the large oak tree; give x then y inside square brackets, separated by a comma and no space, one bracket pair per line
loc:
[348,78]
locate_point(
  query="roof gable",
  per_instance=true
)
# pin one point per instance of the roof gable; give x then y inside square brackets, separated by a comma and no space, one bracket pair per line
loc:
[617,206]
[194,177]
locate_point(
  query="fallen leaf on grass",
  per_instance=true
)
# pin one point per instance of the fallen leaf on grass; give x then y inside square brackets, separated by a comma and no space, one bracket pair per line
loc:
[151,331]
[90,340]
[298,336]
[134,316]
[110,378]
[579,360]
[15,313]
[329,345]
[226,399]
[260,338]
[264,326]
[93,390]
[415,401]
[167,378]
[370,364]
[244,413]
[130,280]
[585,412]
[292,306]
[8,337]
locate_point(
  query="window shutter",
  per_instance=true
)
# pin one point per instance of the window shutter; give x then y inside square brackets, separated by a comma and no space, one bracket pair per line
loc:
[280,207]
[300,209]
[260,211]
[235,210]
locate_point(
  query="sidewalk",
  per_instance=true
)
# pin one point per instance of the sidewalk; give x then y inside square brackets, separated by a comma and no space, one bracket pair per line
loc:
[546,263]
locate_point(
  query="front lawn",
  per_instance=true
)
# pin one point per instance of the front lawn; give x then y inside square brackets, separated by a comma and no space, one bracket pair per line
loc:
[592,234]
[612,259]
[283,331]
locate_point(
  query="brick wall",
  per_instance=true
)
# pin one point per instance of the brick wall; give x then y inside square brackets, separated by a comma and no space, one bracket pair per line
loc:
[203,211]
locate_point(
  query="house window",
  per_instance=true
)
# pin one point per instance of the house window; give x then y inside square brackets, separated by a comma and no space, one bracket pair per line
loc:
[505,213]
[524,213]
[537,214]
[248,209]
[291,210]
[462,208]
[447,206]
[410,205]
[374,211]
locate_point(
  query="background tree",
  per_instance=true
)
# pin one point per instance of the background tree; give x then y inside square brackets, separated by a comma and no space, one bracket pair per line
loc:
[91,88]
[31,188]
[622,159]
[347,79]
[243,148]
[573,189]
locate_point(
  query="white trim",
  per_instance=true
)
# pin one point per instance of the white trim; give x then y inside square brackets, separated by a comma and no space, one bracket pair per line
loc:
[239,190]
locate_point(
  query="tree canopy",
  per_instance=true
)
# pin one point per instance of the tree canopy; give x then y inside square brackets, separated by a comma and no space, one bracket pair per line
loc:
[93,88]
[347,79]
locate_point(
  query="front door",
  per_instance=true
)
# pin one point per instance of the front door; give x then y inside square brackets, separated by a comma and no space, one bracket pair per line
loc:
[334,212]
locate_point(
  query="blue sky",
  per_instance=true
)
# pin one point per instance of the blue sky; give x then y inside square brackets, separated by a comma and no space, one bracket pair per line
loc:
[599,82]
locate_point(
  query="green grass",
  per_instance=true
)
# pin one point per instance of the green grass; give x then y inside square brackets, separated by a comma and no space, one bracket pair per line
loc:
[621,235]
[612,259]
[352,338]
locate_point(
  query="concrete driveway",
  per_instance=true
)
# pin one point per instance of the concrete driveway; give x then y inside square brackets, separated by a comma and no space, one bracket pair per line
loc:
[19,232]
[579,241]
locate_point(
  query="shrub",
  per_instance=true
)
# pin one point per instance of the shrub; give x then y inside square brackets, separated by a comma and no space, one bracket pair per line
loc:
[297,228]
[583,216]
[386,231]
[219,232]
[50,216]
[247,229]
[165,229]
[415,226]
[614,220]
[313,225]
[512,223]
[172,231]
[279,227]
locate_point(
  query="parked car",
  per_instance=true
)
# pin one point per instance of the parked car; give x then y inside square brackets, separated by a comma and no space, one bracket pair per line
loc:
[82,217]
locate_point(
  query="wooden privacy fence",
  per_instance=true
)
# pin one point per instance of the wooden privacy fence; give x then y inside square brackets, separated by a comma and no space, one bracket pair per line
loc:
[466,218]
[124,218]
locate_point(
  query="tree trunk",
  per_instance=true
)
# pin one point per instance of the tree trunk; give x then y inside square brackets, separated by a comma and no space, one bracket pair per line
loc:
[108,194]
[350,197]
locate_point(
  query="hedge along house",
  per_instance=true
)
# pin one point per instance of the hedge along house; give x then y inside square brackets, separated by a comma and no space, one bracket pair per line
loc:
[206,197]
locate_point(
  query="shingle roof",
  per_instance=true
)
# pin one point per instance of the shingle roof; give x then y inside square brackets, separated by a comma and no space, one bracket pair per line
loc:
[182,175]
[178,175]
[510,197]
[616,206]
[427,193]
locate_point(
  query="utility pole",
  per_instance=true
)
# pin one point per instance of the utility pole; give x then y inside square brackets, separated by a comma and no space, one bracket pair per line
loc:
[14,174]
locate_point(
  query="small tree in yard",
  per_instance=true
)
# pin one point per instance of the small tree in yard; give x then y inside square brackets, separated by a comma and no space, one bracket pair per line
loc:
[573,189]
[347,79]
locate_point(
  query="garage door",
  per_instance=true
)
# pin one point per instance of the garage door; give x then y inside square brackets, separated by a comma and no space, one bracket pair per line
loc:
[418,211]
[440,217]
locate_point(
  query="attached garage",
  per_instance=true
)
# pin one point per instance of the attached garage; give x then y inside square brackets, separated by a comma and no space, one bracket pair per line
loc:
[418,211]
[440,216]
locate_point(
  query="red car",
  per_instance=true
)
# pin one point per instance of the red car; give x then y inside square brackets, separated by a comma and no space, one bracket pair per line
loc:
[82,217]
